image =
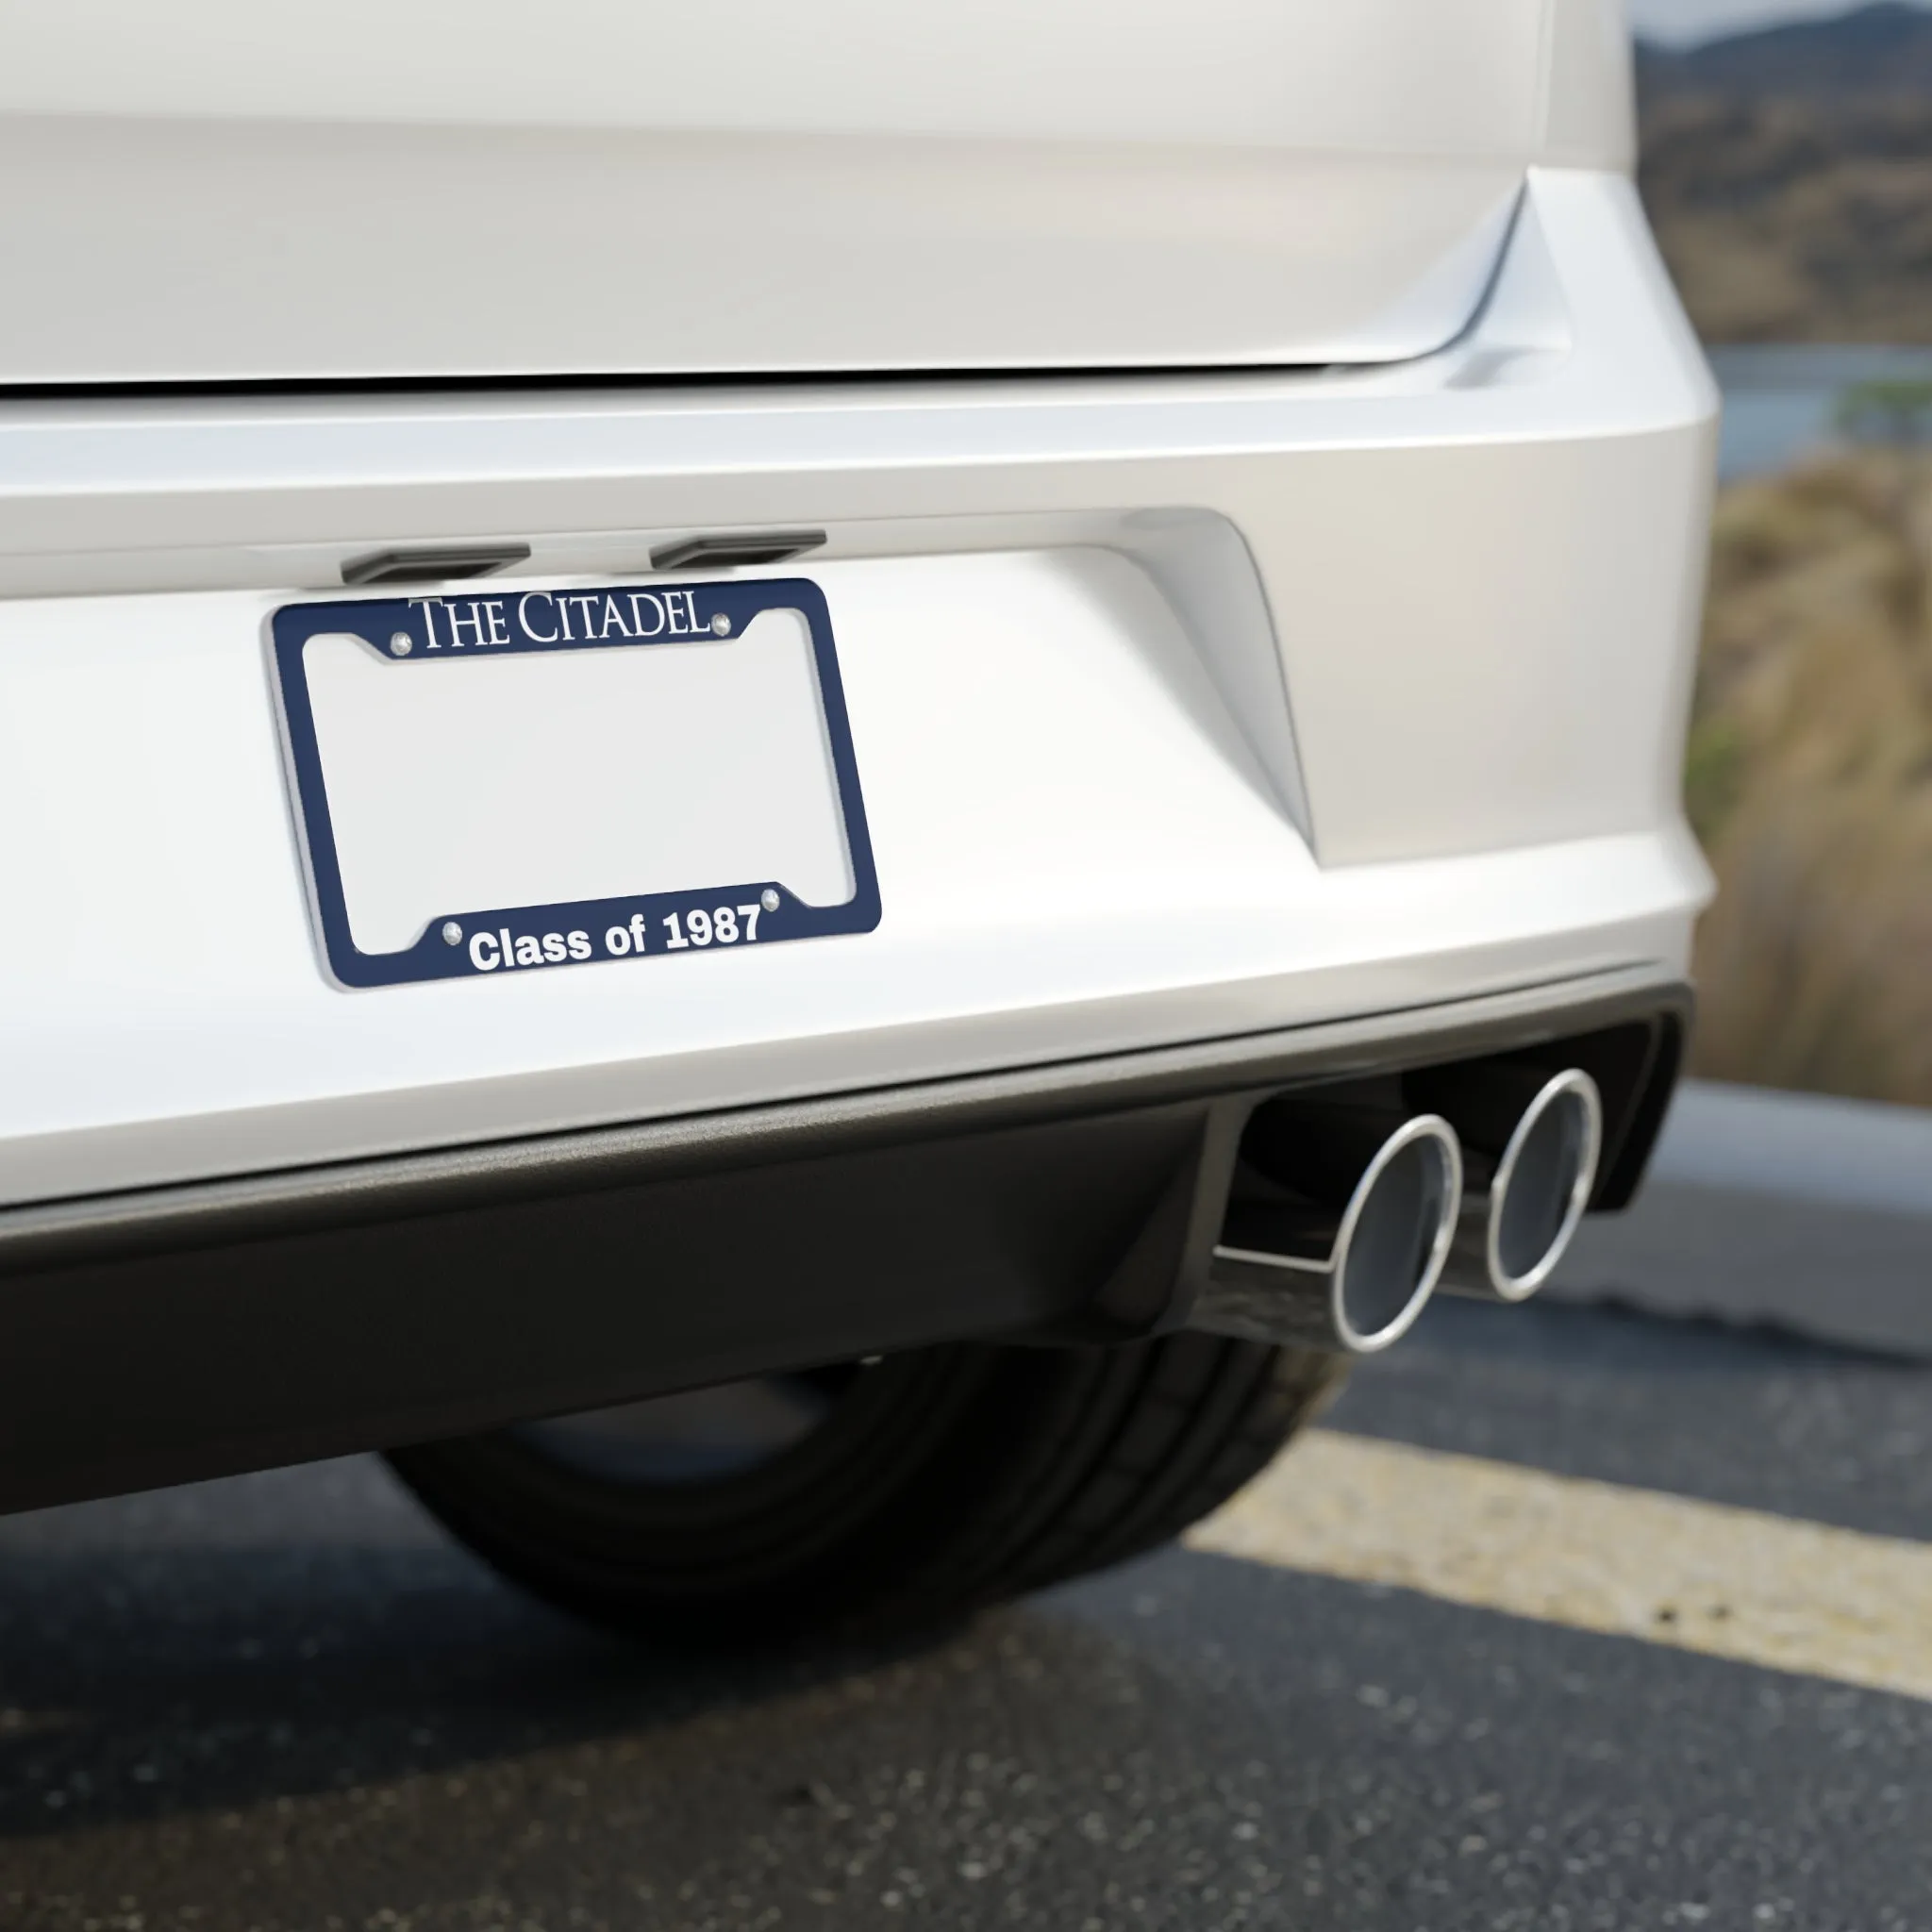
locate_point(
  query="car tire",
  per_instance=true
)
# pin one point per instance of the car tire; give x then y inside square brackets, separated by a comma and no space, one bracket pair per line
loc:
[919,1488]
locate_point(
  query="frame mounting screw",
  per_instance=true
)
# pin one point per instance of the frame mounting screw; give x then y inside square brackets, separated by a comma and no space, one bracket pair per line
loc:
[769,900]
[721,625]
[452,933]
[402,644]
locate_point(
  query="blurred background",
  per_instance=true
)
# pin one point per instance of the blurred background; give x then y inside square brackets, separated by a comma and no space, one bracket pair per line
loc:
[1787,167]
[1786,164]
[1593,1673]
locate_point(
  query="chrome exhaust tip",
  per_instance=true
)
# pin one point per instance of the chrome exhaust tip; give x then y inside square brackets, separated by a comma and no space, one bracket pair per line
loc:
[1510,1235]
[1287,1272]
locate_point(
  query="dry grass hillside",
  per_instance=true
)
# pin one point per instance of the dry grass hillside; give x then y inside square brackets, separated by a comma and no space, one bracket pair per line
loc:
[1810,780]
[1787,172]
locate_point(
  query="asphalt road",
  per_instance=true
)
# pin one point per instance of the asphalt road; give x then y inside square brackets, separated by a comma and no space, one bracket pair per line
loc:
[1810,1211]
[287,1702]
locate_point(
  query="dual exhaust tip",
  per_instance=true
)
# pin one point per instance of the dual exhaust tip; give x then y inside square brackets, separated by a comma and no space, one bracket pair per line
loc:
[1347,1215]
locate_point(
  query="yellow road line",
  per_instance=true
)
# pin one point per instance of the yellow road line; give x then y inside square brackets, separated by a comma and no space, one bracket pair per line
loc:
[1735,1583]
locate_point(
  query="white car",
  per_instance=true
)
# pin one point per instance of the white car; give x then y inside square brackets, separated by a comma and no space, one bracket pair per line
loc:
[808,790]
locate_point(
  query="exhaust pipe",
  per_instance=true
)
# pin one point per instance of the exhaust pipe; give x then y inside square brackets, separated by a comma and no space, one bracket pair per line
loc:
[1337,1229]
[1534,1139]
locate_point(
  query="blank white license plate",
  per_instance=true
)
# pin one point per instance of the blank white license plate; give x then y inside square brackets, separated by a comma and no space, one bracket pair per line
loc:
[518,781]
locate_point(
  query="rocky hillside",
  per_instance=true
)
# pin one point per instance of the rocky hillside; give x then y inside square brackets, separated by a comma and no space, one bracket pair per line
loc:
[1789,177]
[1884,47]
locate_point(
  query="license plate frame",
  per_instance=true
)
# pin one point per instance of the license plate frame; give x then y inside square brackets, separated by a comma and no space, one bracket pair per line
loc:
[415,635]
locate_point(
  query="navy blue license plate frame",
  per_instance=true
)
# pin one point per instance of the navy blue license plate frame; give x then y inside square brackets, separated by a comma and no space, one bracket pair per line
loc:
[448,628]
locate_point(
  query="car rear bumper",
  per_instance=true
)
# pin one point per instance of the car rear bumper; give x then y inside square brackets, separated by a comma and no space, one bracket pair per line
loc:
[1217,733]
[1187,708]
[169,1334]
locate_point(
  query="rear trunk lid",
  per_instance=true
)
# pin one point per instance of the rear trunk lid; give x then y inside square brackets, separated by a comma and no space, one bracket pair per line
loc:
[357,189]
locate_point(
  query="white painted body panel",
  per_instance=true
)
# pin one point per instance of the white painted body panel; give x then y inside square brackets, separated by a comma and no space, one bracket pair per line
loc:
[1184,708]
[341,190]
